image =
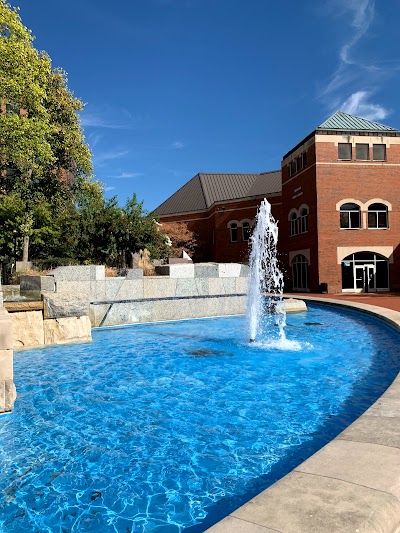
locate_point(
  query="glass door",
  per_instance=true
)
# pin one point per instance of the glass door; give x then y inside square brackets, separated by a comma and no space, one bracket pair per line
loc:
[364,278]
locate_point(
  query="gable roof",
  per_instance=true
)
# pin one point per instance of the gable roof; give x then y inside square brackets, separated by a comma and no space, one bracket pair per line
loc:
[202,191]
[344,121]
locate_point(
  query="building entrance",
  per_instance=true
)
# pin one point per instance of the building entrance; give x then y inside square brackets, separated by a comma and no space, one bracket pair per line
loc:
[365,278]
[365,272]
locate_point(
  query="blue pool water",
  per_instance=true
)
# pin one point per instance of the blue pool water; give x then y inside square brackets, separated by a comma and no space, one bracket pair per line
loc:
[169,427]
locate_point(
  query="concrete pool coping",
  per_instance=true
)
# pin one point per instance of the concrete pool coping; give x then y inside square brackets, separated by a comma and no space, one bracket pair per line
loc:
[352,484]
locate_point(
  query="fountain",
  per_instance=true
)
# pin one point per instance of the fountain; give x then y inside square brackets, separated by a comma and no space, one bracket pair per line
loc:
[265,277]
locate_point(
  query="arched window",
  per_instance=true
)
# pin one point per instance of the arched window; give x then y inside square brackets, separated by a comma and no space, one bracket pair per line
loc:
[246,231]
[378,216]
[350,216]
[300,273]
[304,220]
[234,231]
[293,224]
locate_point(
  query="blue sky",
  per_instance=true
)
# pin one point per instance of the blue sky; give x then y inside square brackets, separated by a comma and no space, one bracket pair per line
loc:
[176,87]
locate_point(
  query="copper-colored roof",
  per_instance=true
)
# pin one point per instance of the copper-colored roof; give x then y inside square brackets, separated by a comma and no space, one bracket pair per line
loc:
[202,191]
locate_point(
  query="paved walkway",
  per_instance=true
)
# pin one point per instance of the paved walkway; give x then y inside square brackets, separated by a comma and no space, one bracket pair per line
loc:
[388,300]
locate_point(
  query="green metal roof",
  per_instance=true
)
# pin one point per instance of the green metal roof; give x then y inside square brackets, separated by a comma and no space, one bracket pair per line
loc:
[343,121]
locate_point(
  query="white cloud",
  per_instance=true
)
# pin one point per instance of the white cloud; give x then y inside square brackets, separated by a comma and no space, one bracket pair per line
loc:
[363,12]
[103,157]
[91,120]
[355,69]
[108,189]
[94,139]
[358,104]
[177,145]
[127,175]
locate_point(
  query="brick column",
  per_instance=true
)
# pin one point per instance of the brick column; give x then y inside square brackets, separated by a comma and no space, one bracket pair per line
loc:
[7,388]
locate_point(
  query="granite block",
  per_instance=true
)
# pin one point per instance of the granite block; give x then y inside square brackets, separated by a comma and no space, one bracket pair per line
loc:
[134,273]
[37,283]
[27,329]
[79,273]
[6,365]
[98,290]
[229,270]
[23,266]
[192,287]
[215,286]
[67,330]
[241,285]
[176,271]
[6,330]
[97,313]
[244,271]
[130,313]
[113,286]
[206,270]
[65,304]
[131,289]
[158,287]
[229,285]
[73,286]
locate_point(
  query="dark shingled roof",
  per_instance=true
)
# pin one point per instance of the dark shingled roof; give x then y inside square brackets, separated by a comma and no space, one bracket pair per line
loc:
[202,191]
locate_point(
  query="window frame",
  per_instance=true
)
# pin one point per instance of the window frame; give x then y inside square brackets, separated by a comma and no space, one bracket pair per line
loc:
[351,152]
[303,220]
[377,212]
[343,211]
[233,226]
[373,152]
[360,146]
[294,226]
[246,226]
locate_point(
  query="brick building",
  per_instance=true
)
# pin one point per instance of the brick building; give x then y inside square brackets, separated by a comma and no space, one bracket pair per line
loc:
[337,200]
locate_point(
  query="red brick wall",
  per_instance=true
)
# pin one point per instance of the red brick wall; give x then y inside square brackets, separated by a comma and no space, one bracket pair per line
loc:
[297,190]
[213,233]
[339,180]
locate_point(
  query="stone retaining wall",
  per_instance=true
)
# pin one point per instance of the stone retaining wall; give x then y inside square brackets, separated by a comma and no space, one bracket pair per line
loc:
[7,387]
[179,291]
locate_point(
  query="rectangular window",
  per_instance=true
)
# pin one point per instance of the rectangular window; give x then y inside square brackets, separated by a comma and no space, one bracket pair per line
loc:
[299,163]
[344,151]
[362,152]
[304,156]
[379,152]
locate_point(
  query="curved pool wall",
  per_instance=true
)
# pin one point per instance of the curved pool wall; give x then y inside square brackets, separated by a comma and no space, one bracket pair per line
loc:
[350,485]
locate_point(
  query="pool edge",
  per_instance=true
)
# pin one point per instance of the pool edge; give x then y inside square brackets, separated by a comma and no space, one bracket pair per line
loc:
[351,484]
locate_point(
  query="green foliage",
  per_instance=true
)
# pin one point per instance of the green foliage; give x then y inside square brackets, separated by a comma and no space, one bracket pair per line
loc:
[41,147]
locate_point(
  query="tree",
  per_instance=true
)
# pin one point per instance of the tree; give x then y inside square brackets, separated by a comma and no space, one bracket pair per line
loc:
[181,237]
[41,141]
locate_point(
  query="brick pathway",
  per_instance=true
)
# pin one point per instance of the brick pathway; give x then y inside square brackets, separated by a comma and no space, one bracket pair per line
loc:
[389,300]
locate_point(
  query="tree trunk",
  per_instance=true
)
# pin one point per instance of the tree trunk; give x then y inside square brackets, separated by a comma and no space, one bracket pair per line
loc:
[26,233]
[25,253]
